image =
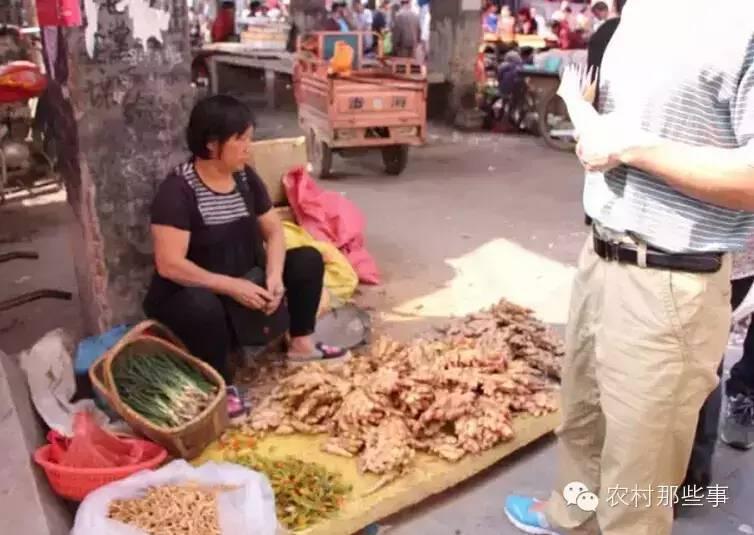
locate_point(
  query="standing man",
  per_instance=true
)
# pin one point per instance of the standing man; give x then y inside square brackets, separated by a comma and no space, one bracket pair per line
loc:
[738,417]
[601,13]
[406,31]
[224,25]
[381,19]
[336,22]
[362,17]
[425,21]
[670,187]
[738,420]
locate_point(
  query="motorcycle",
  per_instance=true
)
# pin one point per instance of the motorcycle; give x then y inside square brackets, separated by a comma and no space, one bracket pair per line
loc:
[24,164]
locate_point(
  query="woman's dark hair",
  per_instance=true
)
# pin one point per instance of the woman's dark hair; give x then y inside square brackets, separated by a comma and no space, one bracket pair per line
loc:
[216,118]
[619,5]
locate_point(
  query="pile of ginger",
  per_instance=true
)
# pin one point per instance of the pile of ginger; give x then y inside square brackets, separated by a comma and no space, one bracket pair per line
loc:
[451,394]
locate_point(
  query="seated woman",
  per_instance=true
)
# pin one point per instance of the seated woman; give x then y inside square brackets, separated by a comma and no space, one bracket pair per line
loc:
[222,272]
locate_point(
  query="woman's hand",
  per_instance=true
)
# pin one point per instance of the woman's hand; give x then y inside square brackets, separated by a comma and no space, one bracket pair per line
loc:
[277,290]
[248,294]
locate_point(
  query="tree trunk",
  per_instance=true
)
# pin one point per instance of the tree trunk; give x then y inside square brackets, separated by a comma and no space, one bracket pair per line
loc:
[119,99]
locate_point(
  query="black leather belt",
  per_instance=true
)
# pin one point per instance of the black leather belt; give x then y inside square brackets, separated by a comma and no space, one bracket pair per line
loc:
[626,253]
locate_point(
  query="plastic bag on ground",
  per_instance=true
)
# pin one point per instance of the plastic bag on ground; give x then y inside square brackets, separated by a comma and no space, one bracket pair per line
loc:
[49,373]
[340,277]
[329,216]
[248,510]
[92,446]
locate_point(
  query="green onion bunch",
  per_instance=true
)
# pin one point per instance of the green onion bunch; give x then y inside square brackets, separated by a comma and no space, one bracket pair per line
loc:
[164,389]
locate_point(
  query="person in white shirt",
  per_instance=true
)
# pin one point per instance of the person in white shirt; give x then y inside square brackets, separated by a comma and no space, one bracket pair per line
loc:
[669,185]
[541,23]
[363,22]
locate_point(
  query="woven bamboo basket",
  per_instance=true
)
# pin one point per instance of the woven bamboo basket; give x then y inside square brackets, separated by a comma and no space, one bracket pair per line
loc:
[186,441]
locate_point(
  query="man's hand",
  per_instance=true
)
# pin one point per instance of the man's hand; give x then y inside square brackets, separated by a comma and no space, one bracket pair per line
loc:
[277,291]
[596,150]
[607,141]
[578,83]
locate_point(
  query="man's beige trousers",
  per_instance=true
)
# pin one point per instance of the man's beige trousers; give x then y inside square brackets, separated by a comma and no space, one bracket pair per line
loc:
[642,350]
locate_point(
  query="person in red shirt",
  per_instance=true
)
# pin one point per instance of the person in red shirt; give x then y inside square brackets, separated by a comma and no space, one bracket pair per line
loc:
[525,23]
[567,39]
[224,26]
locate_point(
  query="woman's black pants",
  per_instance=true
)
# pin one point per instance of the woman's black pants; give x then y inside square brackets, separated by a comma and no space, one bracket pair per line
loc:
[741,381]
[197,315]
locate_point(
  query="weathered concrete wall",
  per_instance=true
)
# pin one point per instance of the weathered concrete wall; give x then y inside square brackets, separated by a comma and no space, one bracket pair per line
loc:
[129,86]
[455,36]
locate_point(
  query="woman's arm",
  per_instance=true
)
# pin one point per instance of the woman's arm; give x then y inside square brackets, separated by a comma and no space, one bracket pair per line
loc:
[272,234]
[170,249]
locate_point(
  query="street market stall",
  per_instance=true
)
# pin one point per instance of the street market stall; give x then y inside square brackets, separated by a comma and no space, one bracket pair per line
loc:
[340,446]
[326,449]
[401,422]
[362,506]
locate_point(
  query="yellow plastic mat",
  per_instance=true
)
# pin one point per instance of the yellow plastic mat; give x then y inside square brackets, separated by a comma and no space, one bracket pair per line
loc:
[429,474]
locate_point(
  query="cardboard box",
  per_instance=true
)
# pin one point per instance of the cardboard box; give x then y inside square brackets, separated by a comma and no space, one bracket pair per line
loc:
[271,159]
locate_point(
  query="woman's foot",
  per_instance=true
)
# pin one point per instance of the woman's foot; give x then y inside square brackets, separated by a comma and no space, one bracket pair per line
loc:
[238,407]
[303,350]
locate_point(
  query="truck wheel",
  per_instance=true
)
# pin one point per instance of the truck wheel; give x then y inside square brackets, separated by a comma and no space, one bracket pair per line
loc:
[320,156]
[395,159]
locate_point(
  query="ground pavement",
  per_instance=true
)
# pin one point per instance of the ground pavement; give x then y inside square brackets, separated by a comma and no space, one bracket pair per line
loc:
[473,219]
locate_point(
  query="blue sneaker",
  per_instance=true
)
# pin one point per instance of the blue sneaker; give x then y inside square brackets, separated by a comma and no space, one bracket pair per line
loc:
[519,511]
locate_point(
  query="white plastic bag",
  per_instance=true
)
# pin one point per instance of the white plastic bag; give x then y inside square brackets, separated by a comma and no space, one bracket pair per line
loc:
[49,372]
[249,510]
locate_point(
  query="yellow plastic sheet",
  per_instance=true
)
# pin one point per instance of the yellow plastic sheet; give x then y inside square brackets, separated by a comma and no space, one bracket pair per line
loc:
[340,277]
[429,474]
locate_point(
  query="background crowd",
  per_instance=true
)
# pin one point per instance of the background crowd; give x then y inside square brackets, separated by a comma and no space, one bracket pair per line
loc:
[567,28]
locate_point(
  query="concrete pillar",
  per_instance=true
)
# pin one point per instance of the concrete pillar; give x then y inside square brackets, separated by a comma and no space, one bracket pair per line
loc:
[455,36]
[121,97]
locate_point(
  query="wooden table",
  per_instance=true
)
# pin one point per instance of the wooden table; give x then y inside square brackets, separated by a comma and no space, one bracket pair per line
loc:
[272,62]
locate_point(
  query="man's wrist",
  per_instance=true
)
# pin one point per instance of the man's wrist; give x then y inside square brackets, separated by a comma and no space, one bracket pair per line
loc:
[629,155]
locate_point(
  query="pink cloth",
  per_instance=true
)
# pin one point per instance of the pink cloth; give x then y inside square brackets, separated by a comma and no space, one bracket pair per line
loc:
[329,216]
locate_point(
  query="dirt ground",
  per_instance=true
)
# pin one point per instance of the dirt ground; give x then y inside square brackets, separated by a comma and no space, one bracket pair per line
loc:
[474,218]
